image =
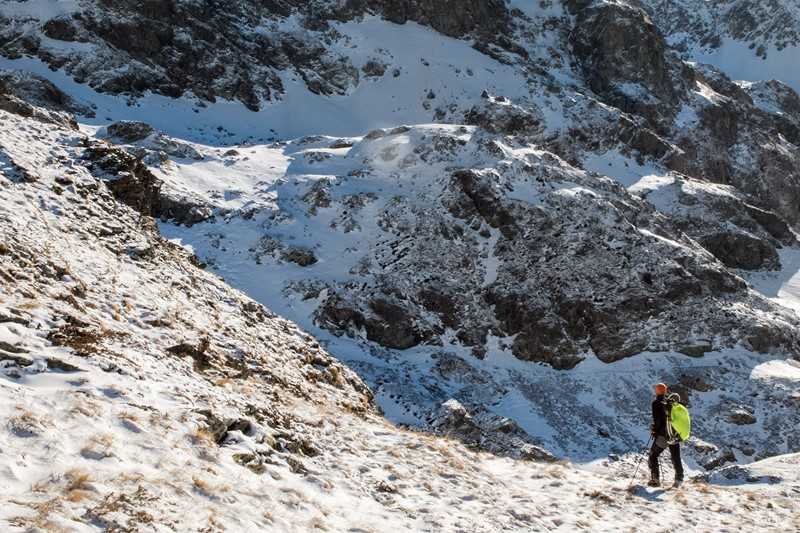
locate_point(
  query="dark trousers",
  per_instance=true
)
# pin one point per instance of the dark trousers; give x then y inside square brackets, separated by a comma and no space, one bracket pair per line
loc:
[658,447]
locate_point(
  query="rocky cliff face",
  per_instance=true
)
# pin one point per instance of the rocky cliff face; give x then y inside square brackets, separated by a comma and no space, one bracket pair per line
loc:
[232,50]
[761,25]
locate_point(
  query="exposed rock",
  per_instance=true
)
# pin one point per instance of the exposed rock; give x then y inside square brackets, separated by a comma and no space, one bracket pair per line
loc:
[31,96]
[126,176]
[40,92]
[454,420]
[197,353]
[725,457]
[485,431]
[299,256]
[374,68]
[375,134]
[741,416]
[740,250]
[501,116]
[387,323]
[742,473]
[558,288]
[129,131]
[454,18]
[624,57]
[170,146]
[183,210]
[696,349]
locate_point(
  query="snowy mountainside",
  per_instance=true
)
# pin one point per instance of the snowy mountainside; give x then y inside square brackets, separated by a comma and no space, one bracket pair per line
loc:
[250,52]
[377,241]
[523,238]
[751,40]
[508,219]
[140,393]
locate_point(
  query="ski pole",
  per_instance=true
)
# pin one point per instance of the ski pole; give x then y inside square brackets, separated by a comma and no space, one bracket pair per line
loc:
[639,463]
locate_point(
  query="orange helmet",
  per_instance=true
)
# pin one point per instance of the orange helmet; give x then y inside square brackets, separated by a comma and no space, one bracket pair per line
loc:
[661,389]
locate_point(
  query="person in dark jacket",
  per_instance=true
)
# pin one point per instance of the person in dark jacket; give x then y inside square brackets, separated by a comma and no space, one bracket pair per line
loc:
[661,440]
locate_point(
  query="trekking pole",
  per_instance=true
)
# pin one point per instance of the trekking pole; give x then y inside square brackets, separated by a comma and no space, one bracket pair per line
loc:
[633,478]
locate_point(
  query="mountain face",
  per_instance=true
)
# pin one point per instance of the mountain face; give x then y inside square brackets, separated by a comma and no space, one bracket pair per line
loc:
[231,50]
[508,219]
[760,25]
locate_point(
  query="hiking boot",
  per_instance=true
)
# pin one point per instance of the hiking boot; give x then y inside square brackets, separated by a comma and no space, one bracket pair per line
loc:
[654,483]
[677,483]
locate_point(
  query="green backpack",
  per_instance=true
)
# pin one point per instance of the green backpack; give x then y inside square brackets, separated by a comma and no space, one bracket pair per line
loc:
[680,421]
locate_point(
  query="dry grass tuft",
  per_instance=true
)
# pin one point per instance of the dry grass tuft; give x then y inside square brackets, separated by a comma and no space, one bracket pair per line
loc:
[98,447]
[556,472]
[317,523]
[129,416]
[42,520]
[78,479]
[86,407]
[30,305]
[26,424]
[600,496]
[79,485]
[208,489]
[202,437]
[705,488]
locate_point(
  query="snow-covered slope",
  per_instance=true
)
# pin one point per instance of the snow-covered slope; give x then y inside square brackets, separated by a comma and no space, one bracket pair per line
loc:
[361,248]
[749,40]
[140,393]
[507,219]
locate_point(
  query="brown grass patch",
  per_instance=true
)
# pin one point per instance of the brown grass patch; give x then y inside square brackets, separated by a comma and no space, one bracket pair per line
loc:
[600,496]
[26,424]
[30,305]
[83,338]
[98,447]
[41,521]
[208,489]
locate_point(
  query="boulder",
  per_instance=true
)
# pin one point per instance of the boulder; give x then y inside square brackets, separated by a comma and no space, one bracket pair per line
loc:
[183,210]
[129,131]
[741,416]
[300,256]
[390,324]
[454,420]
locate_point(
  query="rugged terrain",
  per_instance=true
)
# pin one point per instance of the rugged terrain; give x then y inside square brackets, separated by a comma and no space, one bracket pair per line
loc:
[140,393]
[504,220]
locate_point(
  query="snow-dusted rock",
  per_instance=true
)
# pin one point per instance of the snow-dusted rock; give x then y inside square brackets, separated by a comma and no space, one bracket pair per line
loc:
[129,131]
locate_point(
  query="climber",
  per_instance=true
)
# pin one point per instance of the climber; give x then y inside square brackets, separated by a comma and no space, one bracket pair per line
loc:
[663,439]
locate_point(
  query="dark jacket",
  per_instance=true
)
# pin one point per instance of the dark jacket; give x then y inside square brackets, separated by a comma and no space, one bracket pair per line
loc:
[659,426]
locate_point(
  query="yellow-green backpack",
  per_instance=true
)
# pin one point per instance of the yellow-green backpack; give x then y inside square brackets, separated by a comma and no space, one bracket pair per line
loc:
[680,420]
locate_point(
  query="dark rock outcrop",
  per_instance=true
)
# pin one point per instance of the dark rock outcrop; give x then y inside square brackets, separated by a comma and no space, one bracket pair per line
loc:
[454,18]
[499,115]
[129,131]
[31,96]
[623,57]
[183,210]
[387,323]
[740,250]
[560,263]
[129,180]
[174,48]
